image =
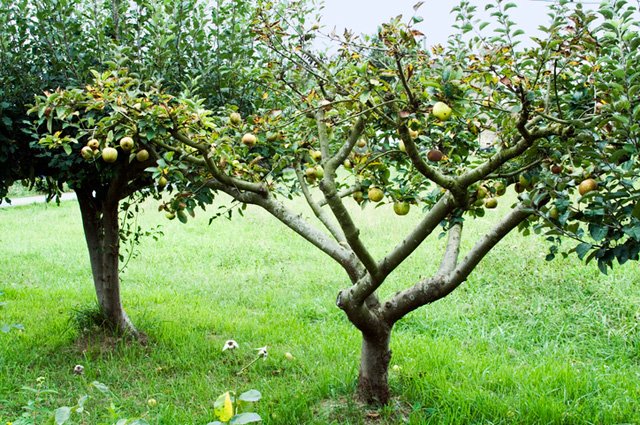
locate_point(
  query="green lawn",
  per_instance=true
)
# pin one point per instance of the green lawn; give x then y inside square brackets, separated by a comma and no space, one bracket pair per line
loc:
[523,341]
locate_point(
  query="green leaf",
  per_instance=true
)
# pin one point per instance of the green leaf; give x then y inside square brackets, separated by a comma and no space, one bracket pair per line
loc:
[582,249]
[62,415]
[598,232]
[251,396]
[101,387]
[245,418]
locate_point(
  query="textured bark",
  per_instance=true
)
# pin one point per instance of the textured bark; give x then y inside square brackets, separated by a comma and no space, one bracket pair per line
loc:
[373,380]
[101,230]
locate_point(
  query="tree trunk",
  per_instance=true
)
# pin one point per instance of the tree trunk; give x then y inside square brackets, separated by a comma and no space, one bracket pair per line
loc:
[373,382]
[101,230]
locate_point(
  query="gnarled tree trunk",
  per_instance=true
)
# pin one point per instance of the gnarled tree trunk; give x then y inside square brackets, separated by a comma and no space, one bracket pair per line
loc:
[101,230]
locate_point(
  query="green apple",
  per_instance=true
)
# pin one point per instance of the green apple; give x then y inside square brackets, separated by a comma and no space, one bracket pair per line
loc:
[401,207]
[375,194]
[441,111]
[249,140]
[109,154]
[126,143]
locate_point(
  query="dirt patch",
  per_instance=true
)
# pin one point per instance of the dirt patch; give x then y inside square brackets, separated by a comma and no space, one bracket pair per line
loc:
[350,410]
[97,342]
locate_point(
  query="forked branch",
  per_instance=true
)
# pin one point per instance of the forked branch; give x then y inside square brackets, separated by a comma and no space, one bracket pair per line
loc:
[434,288]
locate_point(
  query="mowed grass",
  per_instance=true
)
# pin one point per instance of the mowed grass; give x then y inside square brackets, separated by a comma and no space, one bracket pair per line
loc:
[523,341]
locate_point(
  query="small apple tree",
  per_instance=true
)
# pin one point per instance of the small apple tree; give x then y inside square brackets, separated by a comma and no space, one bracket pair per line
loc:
[48,44]
[385,119]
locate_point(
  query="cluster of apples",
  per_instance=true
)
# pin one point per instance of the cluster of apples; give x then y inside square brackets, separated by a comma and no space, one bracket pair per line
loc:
[314,172]
[442,112]
[376,194]
[248,139]
[110,154]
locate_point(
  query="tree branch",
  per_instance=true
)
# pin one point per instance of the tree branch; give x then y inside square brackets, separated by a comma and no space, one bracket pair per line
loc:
[213,168]
[486,243]
[405,83]
[322,215]
[332,164]
[323,135]
[189,158]
[343,193]
[450,257]
[425,169]
[504,155]
[410,243]
[295,222]
[351,231]
[434,288]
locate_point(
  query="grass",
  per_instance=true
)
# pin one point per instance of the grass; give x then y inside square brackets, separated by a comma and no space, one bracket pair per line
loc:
[523,341]
[19,190]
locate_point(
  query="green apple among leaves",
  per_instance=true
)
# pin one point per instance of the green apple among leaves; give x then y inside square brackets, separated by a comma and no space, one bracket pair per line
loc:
[109,154]
[441,111]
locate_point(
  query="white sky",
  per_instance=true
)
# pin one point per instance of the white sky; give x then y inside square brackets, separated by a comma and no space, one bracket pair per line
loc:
[364,16]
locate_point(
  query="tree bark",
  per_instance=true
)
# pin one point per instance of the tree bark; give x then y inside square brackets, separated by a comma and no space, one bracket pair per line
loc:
[373,379]
[101,230]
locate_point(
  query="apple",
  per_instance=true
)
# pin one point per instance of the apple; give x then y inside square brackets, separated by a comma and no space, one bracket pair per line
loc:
[491,203]
[441,111]
[235,118]
[272,136]
[435,155]
[375,194]
[316,155]
[319,172]
[347,164]
[142,155]
[170,215]
[249,140]
[482,192]
[310,173]
[94,144]
[361,143]
[401,207]
[358,196]
[401,146]
[162,181]
[500,188]
[586,186]
[86,152]
[413,134]
[554,213]
[109,154]
[126,143]
[556,169]
[524,182]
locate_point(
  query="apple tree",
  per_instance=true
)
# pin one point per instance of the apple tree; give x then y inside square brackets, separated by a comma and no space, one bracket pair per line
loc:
[44,45]
[386,120]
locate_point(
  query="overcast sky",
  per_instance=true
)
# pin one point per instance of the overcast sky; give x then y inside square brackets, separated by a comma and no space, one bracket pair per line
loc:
[364,16]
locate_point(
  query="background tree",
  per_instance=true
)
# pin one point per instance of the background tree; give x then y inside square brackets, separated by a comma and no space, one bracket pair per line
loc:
[388,120]
[48,44]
